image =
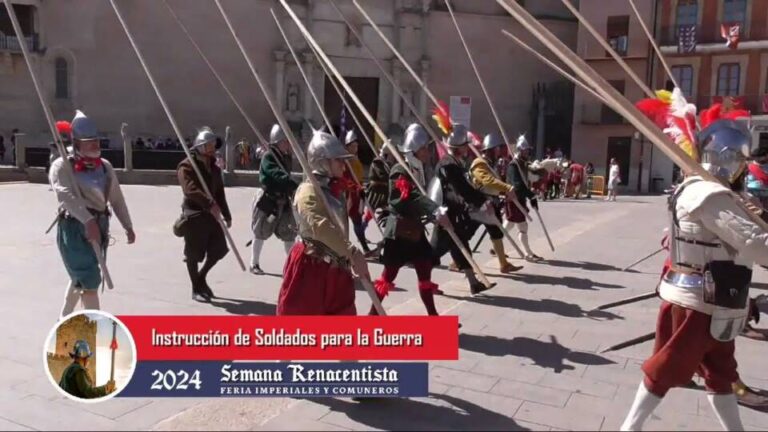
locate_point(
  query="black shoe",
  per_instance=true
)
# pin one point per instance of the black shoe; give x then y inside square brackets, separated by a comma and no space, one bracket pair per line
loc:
[198,297]
[257,270]
[206,291]
[477,287]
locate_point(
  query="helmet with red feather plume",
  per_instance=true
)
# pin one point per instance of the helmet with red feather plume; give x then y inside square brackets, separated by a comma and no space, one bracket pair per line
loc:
[64,129]
[725,142]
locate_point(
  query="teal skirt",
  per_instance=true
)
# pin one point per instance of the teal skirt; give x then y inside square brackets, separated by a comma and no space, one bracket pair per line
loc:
[77,253]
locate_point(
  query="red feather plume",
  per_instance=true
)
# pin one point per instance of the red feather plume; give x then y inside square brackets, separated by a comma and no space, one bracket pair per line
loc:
[442,117]
[64,127]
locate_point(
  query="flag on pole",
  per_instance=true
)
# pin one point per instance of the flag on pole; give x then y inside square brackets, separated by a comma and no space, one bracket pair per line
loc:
[686,39]
[731,34]
[113,345]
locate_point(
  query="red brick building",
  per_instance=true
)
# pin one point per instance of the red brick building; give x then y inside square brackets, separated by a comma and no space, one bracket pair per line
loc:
[714,70]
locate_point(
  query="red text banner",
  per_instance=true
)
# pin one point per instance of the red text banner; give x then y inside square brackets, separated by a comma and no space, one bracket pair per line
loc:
[294,337]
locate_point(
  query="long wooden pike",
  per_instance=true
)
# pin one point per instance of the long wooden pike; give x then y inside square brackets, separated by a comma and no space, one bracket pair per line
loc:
[344,100]
[591,29]
[626,301]
[176,129]
[618,101]
[394,151]
[340,224]
[554,67]
[67,167]
[263,141]
[495,116]
[319,105]
[113,348]
[653,43]
[632,342]
[647,257]
[419,117]
[423,85]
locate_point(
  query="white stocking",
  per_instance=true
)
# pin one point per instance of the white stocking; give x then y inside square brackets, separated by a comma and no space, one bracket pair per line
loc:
[726,408]
[523,236]
[71,298]
[256,247]
[644,404]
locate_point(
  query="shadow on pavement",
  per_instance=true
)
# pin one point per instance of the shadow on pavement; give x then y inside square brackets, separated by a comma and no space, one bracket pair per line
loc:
[244,307]
[584,265]
[414,414]
[567,281]
[556,307]
[550,354]
[759,285]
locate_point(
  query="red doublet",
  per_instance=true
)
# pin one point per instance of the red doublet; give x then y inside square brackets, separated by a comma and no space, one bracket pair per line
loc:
[683,347]
[312,286]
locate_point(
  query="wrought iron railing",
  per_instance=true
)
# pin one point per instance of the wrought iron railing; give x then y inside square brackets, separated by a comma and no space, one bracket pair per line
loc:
[11,43]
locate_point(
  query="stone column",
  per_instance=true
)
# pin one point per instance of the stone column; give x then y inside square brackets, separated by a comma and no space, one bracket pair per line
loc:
[127,149]
[229,151]
[425,65]
[21,155]
[280,78]
[396,72]
[309,62]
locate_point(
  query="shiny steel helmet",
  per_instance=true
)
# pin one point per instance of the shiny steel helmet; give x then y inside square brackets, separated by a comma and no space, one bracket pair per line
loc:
[459,137]
[276,134]
[491,141]
[415,139]
[322,148]
[83,128]
[724,146]
[350,138]
[522,144]
[81,350]
[203,137]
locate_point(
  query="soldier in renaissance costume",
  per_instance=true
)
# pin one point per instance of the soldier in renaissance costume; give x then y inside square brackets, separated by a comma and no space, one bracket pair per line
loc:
[355,191]
[75,380]
[203,234]
[317,277]
[84,221]
[713,245]
[272,213]
[451,187]
[488,182]
[405,240]
[517,176]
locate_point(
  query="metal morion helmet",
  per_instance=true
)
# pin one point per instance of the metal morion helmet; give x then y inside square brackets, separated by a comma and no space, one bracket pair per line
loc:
[276,134]
[459,137]
[203,137]
[491,141]
[83,128]
[350,138]
[522,143]
[415,139]
[322,148]
[81,350]
[724,146]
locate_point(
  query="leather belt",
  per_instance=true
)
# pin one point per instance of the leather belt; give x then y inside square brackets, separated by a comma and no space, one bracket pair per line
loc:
[318,250]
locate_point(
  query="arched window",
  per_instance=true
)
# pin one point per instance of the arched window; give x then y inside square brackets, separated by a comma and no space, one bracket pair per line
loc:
[62,78]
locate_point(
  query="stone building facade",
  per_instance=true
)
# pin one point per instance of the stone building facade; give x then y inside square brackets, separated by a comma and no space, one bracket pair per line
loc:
[79,327]
[85,62]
